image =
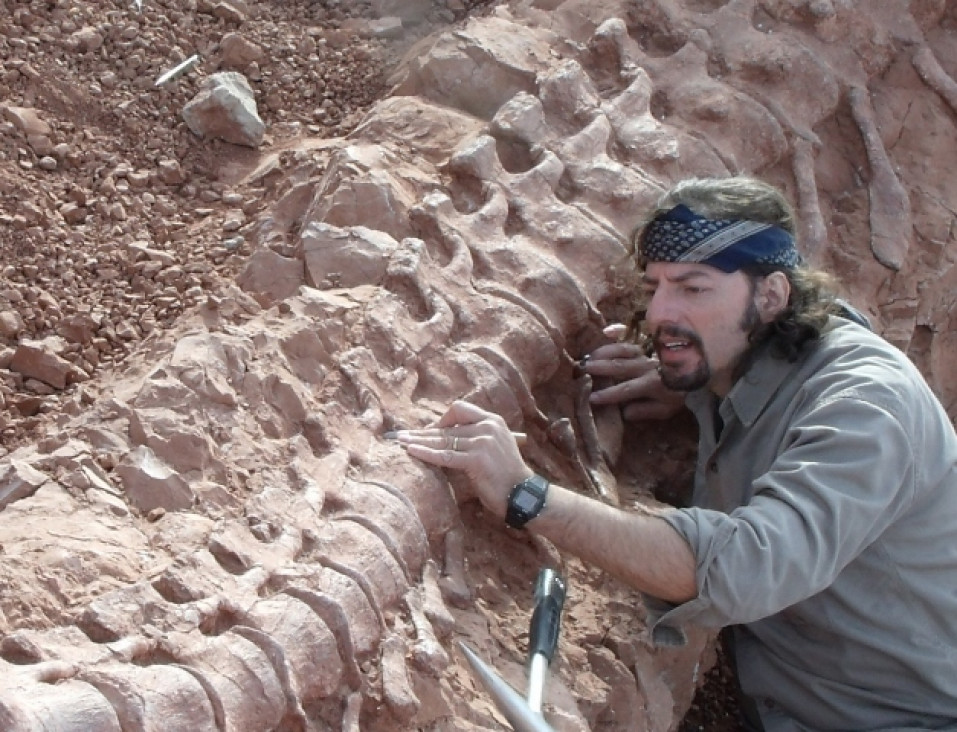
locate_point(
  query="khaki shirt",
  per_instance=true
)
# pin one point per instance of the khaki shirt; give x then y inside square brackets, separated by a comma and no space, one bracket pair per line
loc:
[824,526]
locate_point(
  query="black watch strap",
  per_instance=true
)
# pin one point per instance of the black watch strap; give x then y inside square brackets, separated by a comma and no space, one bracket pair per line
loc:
[526,501]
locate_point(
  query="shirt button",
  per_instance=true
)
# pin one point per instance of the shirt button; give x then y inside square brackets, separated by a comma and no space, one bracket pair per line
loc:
[713,465]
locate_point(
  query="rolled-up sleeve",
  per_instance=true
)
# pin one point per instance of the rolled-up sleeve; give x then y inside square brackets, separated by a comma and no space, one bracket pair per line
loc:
[842,474]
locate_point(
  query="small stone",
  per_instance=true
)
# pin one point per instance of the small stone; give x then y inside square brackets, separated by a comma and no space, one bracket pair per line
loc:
[41,144]
[11,324]
[73,213]
[171,173]
[48,163]
[27,120]
[87,39]
[233,221]
[238,52]
[229,13]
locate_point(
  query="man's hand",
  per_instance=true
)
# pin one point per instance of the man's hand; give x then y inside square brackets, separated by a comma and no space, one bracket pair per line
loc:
[478,442]
[621,542]
[638,388]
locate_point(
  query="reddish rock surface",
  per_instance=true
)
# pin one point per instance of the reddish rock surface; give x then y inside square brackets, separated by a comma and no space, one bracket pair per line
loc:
[201,343]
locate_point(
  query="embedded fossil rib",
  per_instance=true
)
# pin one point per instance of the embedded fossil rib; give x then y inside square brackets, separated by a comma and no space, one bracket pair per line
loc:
[935,77]
[890,215]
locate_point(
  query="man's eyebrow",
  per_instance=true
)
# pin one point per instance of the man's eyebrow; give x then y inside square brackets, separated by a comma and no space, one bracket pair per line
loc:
[684,277]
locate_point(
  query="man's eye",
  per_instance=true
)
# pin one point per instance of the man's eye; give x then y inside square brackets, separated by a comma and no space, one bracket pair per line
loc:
[692,290]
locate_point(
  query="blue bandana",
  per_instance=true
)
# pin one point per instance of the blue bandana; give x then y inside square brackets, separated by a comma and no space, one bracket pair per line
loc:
[680,235]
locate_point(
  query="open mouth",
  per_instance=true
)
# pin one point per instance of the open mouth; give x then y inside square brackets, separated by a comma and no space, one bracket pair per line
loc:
[673,344]
[664,345]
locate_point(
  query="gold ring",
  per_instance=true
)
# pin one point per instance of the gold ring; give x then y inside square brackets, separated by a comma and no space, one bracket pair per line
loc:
[455,444]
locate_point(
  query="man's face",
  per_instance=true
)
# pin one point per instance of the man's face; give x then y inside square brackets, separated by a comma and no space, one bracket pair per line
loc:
[699,319]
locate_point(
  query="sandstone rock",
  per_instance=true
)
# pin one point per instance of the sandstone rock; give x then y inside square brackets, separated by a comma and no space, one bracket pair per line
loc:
[27,120]
[79,328]
[179,446]
[42,144]
[410,11]
[19,480]
[171,172]
[11,324]
[271,276]
[390,27]
[230,12]
[73,213]
[150,483]
[345,258]
[479,70]
[41,360]
[86,40]
[225,107]
[239,52]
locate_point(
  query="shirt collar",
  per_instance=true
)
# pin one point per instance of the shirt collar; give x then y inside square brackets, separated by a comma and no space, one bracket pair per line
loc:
[752,392]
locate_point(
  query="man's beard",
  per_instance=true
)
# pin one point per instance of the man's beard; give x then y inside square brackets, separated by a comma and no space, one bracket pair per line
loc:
[701,376]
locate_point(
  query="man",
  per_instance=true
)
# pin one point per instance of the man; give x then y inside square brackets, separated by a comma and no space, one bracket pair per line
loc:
[823,526]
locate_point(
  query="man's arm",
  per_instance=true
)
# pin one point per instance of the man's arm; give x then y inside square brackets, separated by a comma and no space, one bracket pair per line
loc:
[642,550]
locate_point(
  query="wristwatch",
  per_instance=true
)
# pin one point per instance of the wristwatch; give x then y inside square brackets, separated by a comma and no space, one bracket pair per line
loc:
[526,501]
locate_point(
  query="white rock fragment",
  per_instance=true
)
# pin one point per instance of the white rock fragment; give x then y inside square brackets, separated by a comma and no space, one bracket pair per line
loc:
[225,108]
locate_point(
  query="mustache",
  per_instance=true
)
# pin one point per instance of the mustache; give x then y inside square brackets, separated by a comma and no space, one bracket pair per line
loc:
[674,331]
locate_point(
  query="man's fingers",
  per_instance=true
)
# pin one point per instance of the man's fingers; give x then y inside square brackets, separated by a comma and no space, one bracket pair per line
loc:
[434,437]
[443,457]
[622,368]
[641,387]
[619,361]
[462,412]
[615,350]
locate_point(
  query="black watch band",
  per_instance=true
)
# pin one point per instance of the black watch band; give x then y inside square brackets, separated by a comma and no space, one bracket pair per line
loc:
[526,501]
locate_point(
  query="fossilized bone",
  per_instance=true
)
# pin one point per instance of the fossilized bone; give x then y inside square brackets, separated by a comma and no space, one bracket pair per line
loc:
[257,558]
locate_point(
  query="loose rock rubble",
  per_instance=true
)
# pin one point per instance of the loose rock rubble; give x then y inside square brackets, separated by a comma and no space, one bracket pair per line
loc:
[114,218]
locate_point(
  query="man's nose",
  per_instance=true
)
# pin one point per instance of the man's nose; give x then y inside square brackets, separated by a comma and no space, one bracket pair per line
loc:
[661,309]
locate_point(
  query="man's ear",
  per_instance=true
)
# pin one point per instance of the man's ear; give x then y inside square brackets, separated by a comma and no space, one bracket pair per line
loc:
[772,295]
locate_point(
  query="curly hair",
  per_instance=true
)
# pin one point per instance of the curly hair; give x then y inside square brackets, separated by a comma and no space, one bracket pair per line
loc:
[813,292]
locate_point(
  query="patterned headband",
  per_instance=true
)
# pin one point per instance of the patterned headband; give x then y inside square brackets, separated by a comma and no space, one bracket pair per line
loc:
[680,235]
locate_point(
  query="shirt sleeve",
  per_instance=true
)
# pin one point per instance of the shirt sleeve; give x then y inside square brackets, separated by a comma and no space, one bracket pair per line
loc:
[844,474]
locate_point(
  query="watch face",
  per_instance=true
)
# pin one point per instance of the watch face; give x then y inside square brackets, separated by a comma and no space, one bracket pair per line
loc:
[526,501]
